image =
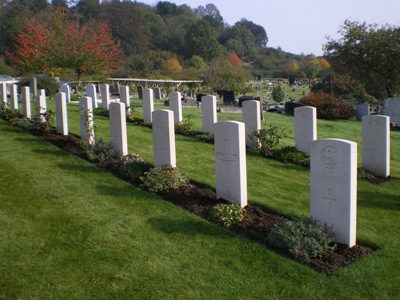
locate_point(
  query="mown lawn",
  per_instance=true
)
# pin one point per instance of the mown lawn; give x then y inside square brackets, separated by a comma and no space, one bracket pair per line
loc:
[70,230]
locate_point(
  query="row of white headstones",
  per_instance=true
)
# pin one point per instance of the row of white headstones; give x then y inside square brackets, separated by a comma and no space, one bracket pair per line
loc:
[333,171]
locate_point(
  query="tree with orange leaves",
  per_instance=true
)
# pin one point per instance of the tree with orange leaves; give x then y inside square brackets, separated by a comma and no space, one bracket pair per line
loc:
[66,44]
[235,60]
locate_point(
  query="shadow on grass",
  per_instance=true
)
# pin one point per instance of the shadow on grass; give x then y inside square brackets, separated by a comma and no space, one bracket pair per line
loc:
[379,200]
[81,168]
[187,227]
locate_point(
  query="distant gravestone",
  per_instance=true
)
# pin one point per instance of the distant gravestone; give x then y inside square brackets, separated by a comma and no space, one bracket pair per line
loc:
[14,97]
[86,119]
[209,113]
[26,102]
[230,162]
[64,88]
[362,110]
[333,184]
[157,93]
[105,96]
[376,145]
[252,121]
[175,104]
[41,106]
[140,91]
[125,98]
[148,105]
[164,138]
[33,86]
[61,113]
[305,127]
[392,109]
[4,93]
[118,136]
[91,92]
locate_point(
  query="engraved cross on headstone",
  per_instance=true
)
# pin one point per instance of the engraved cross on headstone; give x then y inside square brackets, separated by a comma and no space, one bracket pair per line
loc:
[329,199]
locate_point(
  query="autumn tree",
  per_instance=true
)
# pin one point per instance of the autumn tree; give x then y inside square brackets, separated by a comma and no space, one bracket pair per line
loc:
[292,70]
[310,66]
[235,60]
[171,66]
[369,53]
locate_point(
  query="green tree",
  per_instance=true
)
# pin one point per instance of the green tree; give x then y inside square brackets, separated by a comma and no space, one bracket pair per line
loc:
[369,53]
[278,94]
[310,66]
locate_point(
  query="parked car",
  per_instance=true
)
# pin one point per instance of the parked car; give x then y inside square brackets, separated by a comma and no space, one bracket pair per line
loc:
[9,81]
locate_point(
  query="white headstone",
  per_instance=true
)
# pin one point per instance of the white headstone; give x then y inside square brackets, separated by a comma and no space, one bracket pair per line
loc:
[118,134]
[175,104]
[61,113]
[42,92]
[4,93]
[91,92]
[64,88]
[164,138]
[376,145]
[86,119]
[125,98]
[148,105]
[392,109]
[230,162]
[26,102]
[362,110]
[251,118]
[41,106]
[334,187]
[305,127]
[209,113]
[14,97]
[105,96]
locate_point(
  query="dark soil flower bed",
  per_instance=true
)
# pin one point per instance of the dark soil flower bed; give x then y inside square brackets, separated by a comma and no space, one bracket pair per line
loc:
[200,201]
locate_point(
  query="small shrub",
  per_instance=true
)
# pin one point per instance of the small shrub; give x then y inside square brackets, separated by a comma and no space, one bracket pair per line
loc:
[9,114]
[206,137]
[24,124]
[363,174]
[302,238]
[100,111]
[132,167]
[269,139]
[278,94]
[163,179]
[292,155]
[100,152]
[328,107]
[185,127]
[42,123]
[228,214]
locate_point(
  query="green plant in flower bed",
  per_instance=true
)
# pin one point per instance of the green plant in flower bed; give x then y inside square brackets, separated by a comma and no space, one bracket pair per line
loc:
[291,155]
[100,151]
[185,127]
[269,139]
[206,137]
[228,214]
[10,115]
[163,179]
[302,238]
[100,111]
[132,167]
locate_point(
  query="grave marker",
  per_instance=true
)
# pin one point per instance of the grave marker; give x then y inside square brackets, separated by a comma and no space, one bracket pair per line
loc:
[230,162]
[140,91]
[14,97]
[209,113]
[4,94]
[305,127]
[251,119]
[125,98]
[118,134]
[333,184]
[33,86]
[86,120]
[392,109]
[157,93]
[148,105]
[175,104]
[61,113]
[64,88]
[26,102]
[91,92]
[105,96]
[41,106]
[362,110]
[376,144]
[164,138]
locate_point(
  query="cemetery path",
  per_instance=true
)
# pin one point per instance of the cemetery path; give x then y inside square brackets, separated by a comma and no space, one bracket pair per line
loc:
[200,200]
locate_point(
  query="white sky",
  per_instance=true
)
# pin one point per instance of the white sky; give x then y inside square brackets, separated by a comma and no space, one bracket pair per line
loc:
[301,26]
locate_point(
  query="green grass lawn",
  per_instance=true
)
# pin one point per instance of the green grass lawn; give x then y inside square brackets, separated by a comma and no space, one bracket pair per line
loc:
[69,230]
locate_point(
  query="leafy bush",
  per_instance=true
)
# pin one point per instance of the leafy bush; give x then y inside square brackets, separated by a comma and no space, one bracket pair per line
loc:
[278,94]
[163,179]
[10,114]
[100,151]
[132,167]
[328,107]
[269,139]
[291,155]
[228,214]
[100,111]
[302,238]
[206,137]
[185,127]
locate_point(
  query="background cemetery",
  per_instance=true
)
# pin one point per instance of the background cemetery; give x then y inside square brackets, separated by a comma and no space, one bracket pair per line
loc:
[240,180]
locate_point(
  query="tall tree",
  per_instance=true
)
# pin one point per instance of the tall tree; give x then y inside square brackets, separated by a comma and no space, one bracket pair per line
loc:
[310,66]
[369,53]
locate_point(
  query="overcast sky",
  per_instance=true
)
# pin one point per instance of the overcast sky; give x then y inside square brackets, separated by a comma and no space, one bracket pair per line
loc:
[301,26]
